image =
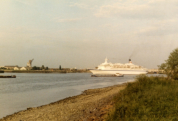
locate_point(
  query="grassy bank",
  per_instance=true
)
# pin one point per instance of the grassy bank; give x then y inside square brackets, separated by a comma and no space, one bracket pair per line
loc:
[147,99]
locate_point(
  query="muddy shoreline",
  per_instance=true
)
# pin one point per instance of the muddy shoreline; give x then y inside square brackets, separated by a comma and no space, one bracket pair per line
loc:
[92,104]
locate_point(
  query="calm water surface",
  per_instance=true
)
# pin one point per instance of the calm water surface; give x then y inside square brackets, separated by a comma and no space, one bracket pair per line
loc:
[32,90]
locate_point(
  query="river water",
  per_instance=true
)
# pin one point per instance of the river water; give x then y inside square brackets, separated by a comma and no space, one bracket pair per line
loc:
[32,90]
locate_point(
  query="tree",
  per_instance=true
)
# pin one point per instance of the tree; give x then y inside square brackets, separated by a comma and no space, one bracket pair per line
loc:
[34,68]
[46,68]
[171,65]
[60,67]
[42,67]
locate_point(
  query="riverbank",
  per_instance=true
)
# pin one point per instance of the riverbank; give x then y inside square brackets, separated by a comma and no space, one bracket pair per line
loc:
[91,104]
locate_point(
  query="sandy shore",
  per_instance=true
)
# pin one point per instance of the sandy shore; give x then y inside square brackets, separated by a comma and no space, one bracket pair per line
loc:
[92,104]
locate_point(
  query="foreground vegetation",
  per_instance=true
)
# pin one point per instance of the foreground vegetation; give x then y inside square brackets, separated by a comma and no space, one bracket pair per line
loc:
[147,99]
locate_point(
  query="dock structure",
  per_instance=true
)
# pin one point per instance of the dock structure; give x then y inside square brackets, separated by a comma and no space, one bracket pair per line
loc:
[1,71]
[7,76]
[107,75]
[157,71]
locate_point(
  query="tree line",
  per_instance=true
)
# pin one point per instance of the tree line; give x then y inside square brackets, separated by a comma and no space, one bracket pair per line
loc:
[43,68]
[40,68]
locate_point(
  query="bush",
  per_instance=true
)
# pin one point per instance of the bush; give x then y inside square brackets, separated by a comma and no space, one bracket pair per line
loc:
[149,98]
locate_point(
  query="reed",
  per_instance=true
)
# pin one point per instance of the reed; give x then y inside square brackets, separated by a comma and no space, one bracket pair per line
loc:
[147,99]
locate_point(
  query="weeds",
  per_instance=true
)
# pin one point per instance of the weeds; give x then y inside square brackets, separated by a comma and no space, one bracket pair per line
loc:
[147,99]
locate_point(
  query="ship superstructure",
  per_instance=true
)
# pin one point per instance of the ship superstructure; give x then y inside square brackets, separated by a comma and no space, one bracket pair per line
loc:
[119,68]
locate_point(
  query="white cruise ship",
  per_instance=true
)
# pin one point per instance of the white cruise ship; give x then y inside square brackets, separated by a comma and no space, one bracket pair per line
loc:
[118,68]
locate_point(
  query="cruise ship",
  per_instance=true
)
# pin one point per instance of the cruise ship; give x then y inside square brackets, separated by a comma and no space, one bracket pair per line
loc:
[118,68]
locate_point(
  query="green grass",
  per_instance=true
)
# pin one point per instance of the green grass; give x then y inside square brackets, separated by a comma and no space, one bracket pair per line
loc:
[147,99]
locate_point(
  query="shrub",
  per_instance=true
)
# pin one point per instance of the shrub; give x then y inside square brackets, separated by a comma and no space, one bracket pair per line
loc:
[149,98]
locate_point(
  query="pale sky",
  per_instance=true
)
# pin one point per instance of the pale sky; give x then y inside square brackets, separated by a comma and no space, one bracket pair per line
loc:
[82,33]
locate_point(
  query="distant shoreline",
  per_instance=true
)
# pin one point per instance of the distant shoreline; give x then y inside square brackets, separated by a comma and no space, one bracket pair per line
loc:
[56,71]
[44,71]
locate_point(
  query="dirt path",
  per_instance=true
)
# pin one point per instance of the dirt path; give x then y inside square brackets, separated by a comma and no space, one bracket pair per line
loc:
[92,104]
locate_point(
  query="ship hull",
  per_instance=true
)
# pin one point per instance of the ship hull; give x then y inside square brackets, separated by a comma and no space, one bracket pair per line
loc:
[125,72]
